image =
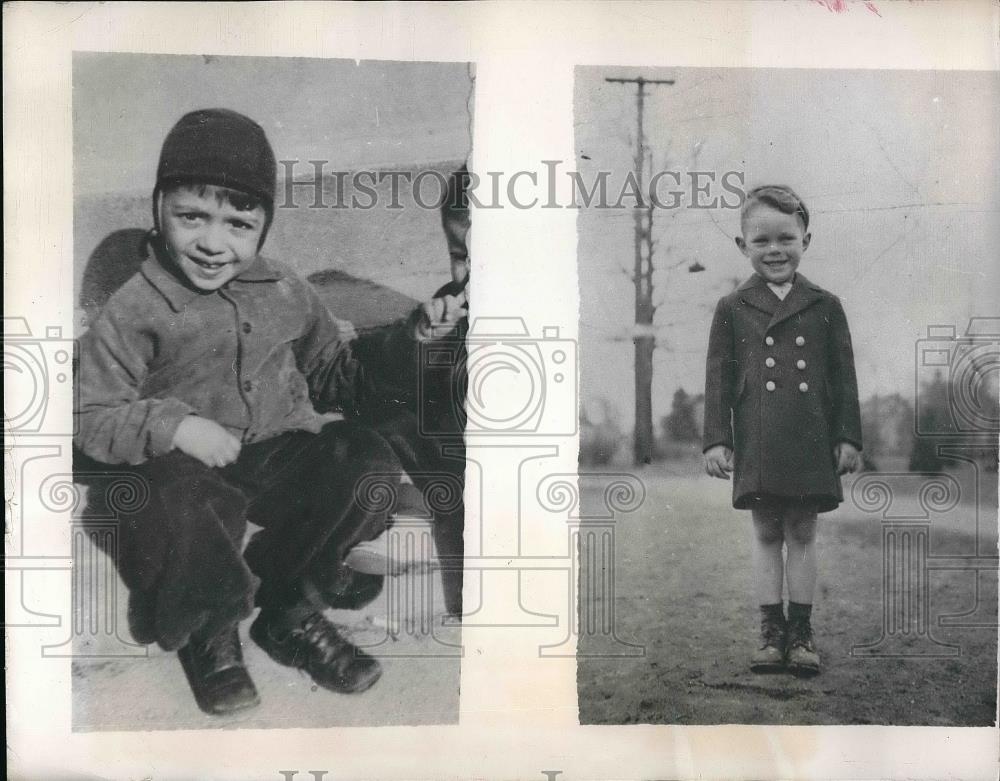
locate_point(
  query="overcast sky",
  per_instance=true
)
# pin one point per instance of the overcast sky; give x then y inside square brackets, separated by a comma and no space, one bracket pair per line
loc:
[355,115]
[899,168]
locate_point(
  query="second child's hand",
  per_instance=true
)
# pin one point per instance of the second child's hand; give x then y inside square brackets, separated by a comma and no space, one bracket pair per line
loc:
[439,316]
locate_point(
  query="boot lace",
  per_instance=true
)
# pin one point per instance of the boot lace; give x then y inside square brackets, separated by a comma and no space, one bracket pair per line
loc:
[322,637]
[772,632]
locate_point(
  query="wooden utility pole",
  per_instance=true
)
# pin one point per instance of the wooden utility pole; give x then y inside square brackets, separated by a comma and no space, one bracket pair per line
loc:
[644,338]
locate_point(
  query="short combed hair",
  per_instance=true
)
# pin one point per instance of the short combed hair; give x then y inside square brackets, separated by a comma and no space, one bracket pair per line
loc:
[239,200]
[776,196]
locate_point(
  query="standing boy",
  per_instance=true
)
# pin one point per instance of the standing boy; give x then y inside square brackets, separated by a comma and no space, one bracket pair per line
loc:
[781,415]
[207,373]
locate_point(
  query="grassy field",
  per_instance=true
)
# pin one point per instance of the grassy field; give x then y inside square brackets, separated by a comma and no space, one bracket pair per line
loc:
[684,591]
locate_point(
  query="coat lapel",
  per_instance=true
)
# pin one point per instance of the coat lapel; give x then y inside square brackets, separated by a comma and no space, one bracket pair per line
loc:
[756,293]
[802,295]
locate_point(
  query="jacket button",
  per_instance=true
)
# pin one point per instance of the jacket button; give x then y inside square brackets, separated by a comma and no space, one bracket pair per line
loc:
[769,341]
[800,364]
[800,340]
[769,363]
[247,386]
[770,385]
[247,328]
[803,386]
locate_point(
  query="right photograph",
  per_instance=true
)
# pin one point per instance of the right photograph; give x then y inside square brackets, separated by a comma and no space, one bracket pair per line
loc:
[789,364]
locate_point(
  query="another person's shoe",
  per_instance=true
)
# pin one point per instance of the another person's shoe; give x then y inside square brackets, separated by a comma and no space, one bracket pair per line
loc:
[381,557]
[315,646]
[769,657]
[802,659]
[217,675]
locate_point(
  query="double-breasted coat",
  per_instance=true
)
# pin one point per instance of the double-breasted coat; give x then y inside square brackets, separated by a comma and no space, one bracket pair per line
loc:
[781,392]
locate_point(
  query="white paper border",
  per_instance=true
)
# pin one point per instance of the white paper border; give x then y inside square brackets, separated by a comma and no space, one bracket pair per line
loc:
[518,712]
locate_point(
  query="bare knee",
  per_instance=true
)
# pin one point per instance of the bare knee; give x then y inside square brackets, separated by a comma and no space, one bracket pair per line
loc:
[800,528]
[767,528]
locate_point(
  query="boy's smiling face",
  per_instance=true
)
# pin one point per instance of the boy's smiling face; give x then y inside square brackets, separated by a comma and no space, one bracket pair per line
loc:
[209,238]
[774,242]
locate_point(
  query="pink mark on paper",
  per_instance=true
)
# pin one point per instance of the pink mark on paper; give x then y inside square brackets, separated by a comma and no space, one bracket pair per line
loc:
[840,6]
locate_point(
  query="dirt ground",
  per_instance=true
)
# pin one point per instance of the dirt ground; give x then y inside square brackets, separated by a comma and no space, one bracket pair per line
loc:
[146,689]
[683,590]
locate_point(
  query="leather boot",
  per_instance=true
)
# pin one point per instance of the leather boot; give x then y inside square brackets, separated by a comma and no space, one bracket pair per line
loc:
[216,673]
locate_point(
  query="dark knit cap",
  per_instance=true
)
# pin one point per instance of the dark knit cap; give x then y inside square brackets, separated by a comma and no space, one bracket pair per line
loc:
[221,147]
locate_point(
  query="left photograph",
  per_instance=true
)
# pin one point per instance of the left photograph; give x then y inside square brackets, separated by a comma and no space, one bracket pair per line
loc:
[270,273]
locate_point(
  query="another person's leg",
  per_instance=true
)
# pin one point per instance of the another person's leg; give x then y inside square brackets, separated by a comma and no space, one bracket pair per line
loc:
[799,525]
[768,538]
[449,539]
[436,465]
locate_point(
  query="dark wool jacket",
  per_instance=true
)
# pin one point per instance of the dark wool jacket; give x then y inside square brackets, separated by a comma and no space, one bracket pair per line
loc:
[781,391]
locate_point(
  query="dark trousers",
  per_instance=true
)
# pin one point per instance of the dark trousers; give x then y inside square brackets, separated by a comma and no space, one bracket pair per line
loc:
[179,551]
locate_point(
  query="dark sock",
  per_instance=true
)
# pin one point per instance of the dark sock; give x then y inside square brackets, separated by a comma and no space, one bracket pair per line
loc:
[775,612]
[799,611]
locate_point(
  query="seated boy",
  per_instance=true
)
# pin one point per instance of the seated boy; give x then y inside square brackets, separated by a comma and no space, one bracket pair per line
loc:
[207,373]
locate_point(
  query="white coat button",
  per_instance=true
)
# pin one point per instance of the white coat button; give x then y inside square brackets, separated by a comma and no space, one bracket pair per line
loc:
[769,341]
[770,385]
[800,340]
[803,386]
[800,364]
[769,363]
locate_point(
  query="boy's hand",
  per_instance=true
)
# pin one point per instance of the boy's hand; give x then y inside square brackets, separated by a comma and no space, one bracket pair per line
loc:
[719,461]
[207,441]
[847,457]
[439,316]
